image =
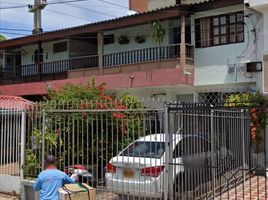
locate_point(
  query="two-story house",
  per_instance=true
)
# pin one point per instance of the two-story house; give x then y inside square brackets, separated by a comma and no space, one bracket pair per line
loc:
[209,47]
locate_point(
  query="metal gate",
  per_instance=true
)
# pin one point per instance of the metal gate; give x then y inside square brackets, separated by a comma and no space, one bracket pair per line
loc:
[215,157]
[12,134]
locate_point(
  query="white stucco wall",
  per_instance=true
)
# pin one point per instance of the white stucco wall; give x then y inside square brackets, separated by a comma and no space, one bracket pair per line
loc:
[261,6]
[131,33]
[154,4]
[165,93]
[212,63]
[265,31]
[49,56]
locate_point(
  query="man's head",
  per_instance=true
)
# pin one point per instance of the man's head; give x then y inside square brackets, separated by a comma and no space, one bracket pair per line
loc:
[50,161]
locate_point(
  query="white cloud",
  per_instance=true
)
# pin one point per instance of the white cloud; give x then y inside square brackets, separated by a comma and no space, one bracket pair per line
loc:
[59,16]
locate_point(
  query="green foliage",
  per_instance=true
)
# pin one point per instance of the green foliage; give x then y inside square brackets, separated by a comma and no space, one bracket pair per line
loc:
[132,102]
[32,163]
[72,133]
[158,32]
[76,93]
[2,38]
[255,101]
[245,99]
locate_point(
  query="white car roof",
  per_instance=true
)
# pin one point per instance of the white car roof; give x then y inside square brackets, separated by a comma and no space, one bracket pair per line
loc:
[159,137]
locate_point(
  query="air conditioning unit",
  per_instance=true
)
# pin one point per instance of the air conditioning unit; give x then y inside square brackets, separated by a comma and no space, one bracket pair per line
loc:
[254,67]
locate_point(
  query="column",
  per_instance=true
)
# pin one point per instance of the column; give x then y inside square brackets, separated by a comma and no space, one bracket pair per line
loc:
[100,50]
[183,44]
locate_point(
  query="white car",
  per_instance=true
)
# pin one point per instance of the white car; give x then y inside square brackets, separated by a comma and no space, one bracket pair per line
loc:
[139,169]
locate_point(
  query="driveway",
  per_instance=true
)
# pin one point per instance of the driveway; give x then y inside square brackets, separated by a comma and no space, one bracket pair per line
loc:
[255,188]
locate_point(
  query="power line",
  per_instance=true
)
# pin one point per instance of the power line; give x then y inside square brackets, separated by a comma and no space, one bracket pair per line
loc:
[65,14]
[13,33]
[15,29]
[90,10]
[61,2]
[14,3]
[115,4]
[104,1]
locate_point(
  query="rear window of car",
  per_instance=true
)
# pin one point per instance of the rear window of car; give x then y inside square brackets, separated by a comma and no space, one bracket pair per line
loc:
[145,149]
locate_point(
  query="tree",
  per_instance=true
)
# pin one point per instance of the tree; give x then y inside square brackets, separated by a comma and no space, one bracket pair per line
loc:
[2,38]
[85,130]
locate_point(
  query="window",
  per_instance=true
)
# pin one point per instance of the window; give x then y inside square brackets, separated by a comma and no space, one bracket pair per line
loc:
[108,39]
[191,146]
[38,56]
[145,149]
[59,47]
[220,30]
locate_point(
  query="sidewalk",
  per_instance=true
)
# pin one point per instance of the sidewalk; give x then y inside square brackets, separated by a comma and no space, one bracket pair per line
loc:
[254,188]
[8,197]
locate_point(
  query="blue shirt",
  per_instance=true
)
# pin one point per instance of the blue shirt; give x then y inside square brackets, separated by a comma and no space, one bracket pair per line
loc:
[48,183]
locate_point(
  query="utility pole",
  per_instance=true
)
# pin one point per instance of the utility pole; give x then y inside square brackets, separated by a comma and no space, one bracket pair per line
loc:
[37,8]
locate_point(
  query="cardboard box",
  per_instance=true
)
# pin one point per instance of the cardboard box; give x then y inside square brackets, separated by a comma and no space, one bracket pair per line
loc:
[77,192]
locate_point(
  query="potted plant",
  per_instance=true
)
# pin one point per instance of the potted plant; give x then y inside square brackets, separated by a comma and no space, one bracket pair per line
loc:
[139,39]
[123,39]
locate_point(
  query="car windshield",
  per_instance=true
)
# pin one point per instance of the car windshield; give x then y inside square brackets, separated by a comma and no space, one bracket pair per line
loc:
[145,149]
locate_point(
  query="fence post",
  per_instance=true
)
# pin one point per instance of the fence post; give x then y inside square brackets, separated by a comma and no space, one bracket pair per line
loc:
[243,144]
[167,142]
[212,150]
[265,149]
[43,138]
[22,150]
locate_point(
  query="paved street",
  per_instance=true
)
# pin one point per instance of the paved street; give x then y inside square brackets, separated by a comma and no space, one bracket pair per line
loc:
[7,197]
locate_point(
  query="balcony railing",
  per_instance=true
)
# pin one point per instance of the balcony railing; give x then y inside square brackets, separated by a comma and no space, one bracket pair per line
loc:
[146,55]
[121,58]
[59,66]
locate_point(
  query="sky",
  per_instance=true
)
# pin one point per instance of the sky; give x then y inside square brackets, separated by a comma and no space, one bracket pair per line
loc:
[17,22]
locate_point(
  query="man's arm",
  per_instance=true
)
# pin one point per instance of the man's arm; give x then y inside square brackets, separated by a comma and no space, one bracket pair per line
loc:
[68,179]
[37,185]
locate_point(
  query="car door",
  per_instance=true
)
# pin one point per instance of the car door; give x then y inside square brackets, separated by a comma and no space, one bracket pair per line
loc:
[191,158]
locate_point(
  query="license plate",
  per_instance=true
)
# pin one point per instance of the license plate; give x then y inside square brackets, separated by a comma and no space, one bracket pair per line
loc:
[128,173]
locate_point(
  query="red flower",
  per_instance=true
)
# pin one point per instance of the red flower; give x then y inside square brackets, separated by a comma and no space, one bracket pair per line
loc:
[84,106]
[108,98]
[120,107]
[253,110]
[119,115]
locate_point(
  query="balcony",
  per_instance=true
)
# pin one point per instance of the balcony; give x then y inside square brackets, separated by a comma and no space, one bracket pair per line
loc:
[63,69]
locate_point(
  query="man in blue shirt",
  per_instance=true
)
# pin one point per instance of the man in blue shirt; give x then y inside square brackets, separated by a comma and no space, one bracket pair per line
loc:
[50,180]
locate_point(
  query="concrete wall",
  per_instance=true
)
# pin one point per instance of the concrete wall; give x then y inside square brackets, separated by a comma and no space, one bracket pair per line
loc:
[167,93]
[10,184]
[212,63]
[131,33]
[154,4]
[138,5]
[261,6]
[27,53]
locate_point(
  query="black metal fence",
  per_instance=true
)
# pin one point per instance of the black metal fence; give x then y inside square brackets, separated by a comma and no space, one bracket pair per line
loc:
[181,151]
[216,157]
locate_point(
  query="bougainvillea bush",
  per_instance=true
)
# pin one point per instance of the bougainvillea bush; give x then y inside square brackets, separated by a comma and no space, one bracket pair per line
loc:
[256,103]
[88,124]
